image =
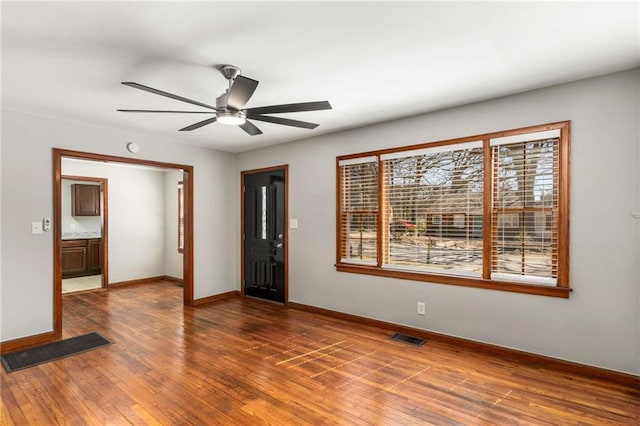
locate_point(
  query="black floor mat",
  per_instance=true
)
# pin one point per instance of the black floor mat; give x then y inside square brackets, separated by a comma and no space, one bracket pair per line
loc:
[51,351]
[416,341]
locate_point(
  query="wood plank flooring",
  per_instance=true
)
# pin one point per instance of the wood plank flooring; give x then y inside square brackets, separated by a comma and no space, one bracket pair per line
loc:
[245,362]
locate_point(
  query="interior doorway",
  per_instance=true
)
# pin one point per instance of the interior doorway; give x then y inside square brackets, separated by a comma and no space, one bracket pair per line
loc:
[265,234]
[85,233]
[186,224]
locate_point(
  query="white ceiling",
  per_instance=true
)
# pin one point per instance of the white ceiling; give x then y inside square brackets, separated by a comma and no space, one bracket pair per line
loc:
[374,61]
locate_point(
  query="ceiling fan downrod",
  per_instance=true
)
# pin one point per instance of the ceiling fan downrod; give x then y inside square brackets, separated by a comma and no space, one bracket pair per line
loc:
[230,72]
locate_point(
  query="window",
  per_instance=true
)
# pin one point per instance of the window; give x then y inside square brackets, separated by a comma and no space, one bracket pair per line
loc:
[444,183]
[180,217]
[525,176]
[359,210]
[488,211]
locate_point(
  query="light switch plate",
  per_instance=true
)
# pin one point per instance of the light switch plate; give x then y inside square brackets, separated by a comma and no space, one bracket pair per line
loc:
[36,227]
[293,223]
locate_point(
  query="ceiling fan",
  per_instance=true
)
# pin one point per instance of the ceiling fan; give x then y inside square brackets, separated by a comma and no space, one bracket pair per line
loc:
[230,106]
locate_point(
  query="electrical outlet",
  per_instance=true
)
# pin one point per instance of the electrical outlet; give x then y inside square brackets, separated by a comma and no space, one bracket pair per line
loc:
[422,308]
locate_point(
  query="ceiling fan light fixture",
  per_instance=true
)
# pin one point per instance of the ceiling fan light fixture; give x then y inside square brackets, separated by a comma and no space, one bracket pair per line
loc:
[233,118]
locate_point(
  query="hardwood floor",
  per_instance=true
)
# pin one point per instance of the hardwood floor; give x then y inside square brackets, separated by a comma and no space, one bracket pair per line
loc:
[242,361]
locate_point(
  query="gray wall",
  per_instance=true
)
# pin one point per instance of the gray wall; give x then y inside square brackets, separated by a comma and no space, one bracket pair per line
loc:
[136,217]
[26,179]
[597,325]
[637,211]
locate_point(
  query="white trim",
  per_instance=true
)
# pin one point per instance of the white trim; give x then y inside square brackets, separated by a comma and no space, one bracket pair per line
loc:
[436,271]
[525,279]
[432,150]
[358,160]
[525,137]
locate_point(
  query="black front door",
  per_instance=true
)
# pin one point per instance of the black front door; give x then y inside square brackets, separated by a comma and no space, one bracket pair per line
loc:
[264,235]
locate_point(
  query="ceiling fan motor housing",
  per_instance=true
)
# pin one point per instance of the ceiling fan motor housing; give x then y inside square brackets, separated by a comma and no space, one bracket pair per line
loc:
[221,101]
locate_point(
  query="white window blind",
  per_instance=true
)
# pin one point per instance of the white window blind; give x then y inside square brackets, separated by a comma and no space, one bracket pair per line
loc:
[526,137]
[359,210]
[524,210]
[433,210]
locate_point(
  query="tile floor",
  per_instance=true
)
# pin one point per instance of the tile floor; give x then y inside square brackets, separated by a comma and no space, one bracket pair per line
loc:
[90,282]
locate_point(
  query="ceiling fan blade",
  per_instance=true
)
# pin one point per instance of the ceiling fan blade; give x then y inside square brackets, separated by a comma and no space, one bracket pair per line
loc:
[199,124]
[284,121]
[299,107]
[166,94]
[240,92]
[250,128]
[158,110]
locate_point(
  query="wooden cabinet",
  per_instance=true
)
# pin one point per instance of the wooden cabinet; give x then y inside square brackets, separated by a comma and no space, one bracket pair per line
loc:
[94,251]
[81,257]
[85,199]
[74,258]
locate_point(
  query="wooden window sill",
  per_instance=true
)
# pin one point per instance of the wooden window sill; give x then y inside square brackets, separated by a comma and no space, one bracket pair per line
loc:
[540,290]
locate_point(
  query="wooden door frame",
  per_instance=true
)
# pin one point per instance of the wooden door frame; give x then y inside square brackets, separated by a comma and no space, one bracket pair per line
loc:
[104,240]
[285,168]
[187,260]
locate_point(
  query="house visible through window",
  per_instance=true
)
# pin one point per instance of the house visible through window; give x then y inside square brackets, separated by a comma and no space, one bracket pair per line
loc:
[443,184]
[180,217]
[487,211]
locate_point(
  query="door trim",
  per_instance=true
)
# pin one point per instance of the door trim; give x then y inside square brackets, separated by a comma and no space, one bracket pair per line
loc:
[285,168]
[104,243]
[58,154]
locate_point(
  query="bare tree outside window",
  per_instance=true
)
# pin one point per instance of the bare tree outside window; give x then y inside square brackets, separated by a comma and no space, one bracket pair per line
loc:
[434,204]
[525,208]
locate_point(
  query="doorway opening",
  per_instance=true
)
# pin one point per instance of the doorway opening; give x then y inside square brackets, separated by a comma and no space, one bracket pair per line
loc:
[184,174]
[84,217]
[264,234]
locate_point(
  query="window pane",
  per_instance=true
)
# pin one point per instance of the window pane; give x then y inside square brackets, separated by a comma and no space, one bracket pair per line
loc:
[524,214]
[360,238]
[434,211]
[263,221]
[360,187]
[180,217]
[359,212]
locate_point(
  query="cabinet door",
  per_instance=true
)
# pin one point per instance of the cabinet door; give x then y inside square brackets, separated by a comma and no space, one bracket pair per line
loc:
[86,200]
[74,261]
[94,250]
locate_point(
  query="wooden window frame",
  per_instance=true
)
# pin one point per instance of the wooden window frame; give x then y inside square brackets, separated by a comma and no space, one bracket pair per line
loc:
[346,216]
[561,289]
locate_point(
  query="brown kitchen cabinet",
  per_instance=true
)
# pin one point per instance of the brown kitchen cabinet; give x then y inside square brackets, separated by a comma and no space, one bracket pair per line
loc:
[81,257]
[94,251]
[85,199]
